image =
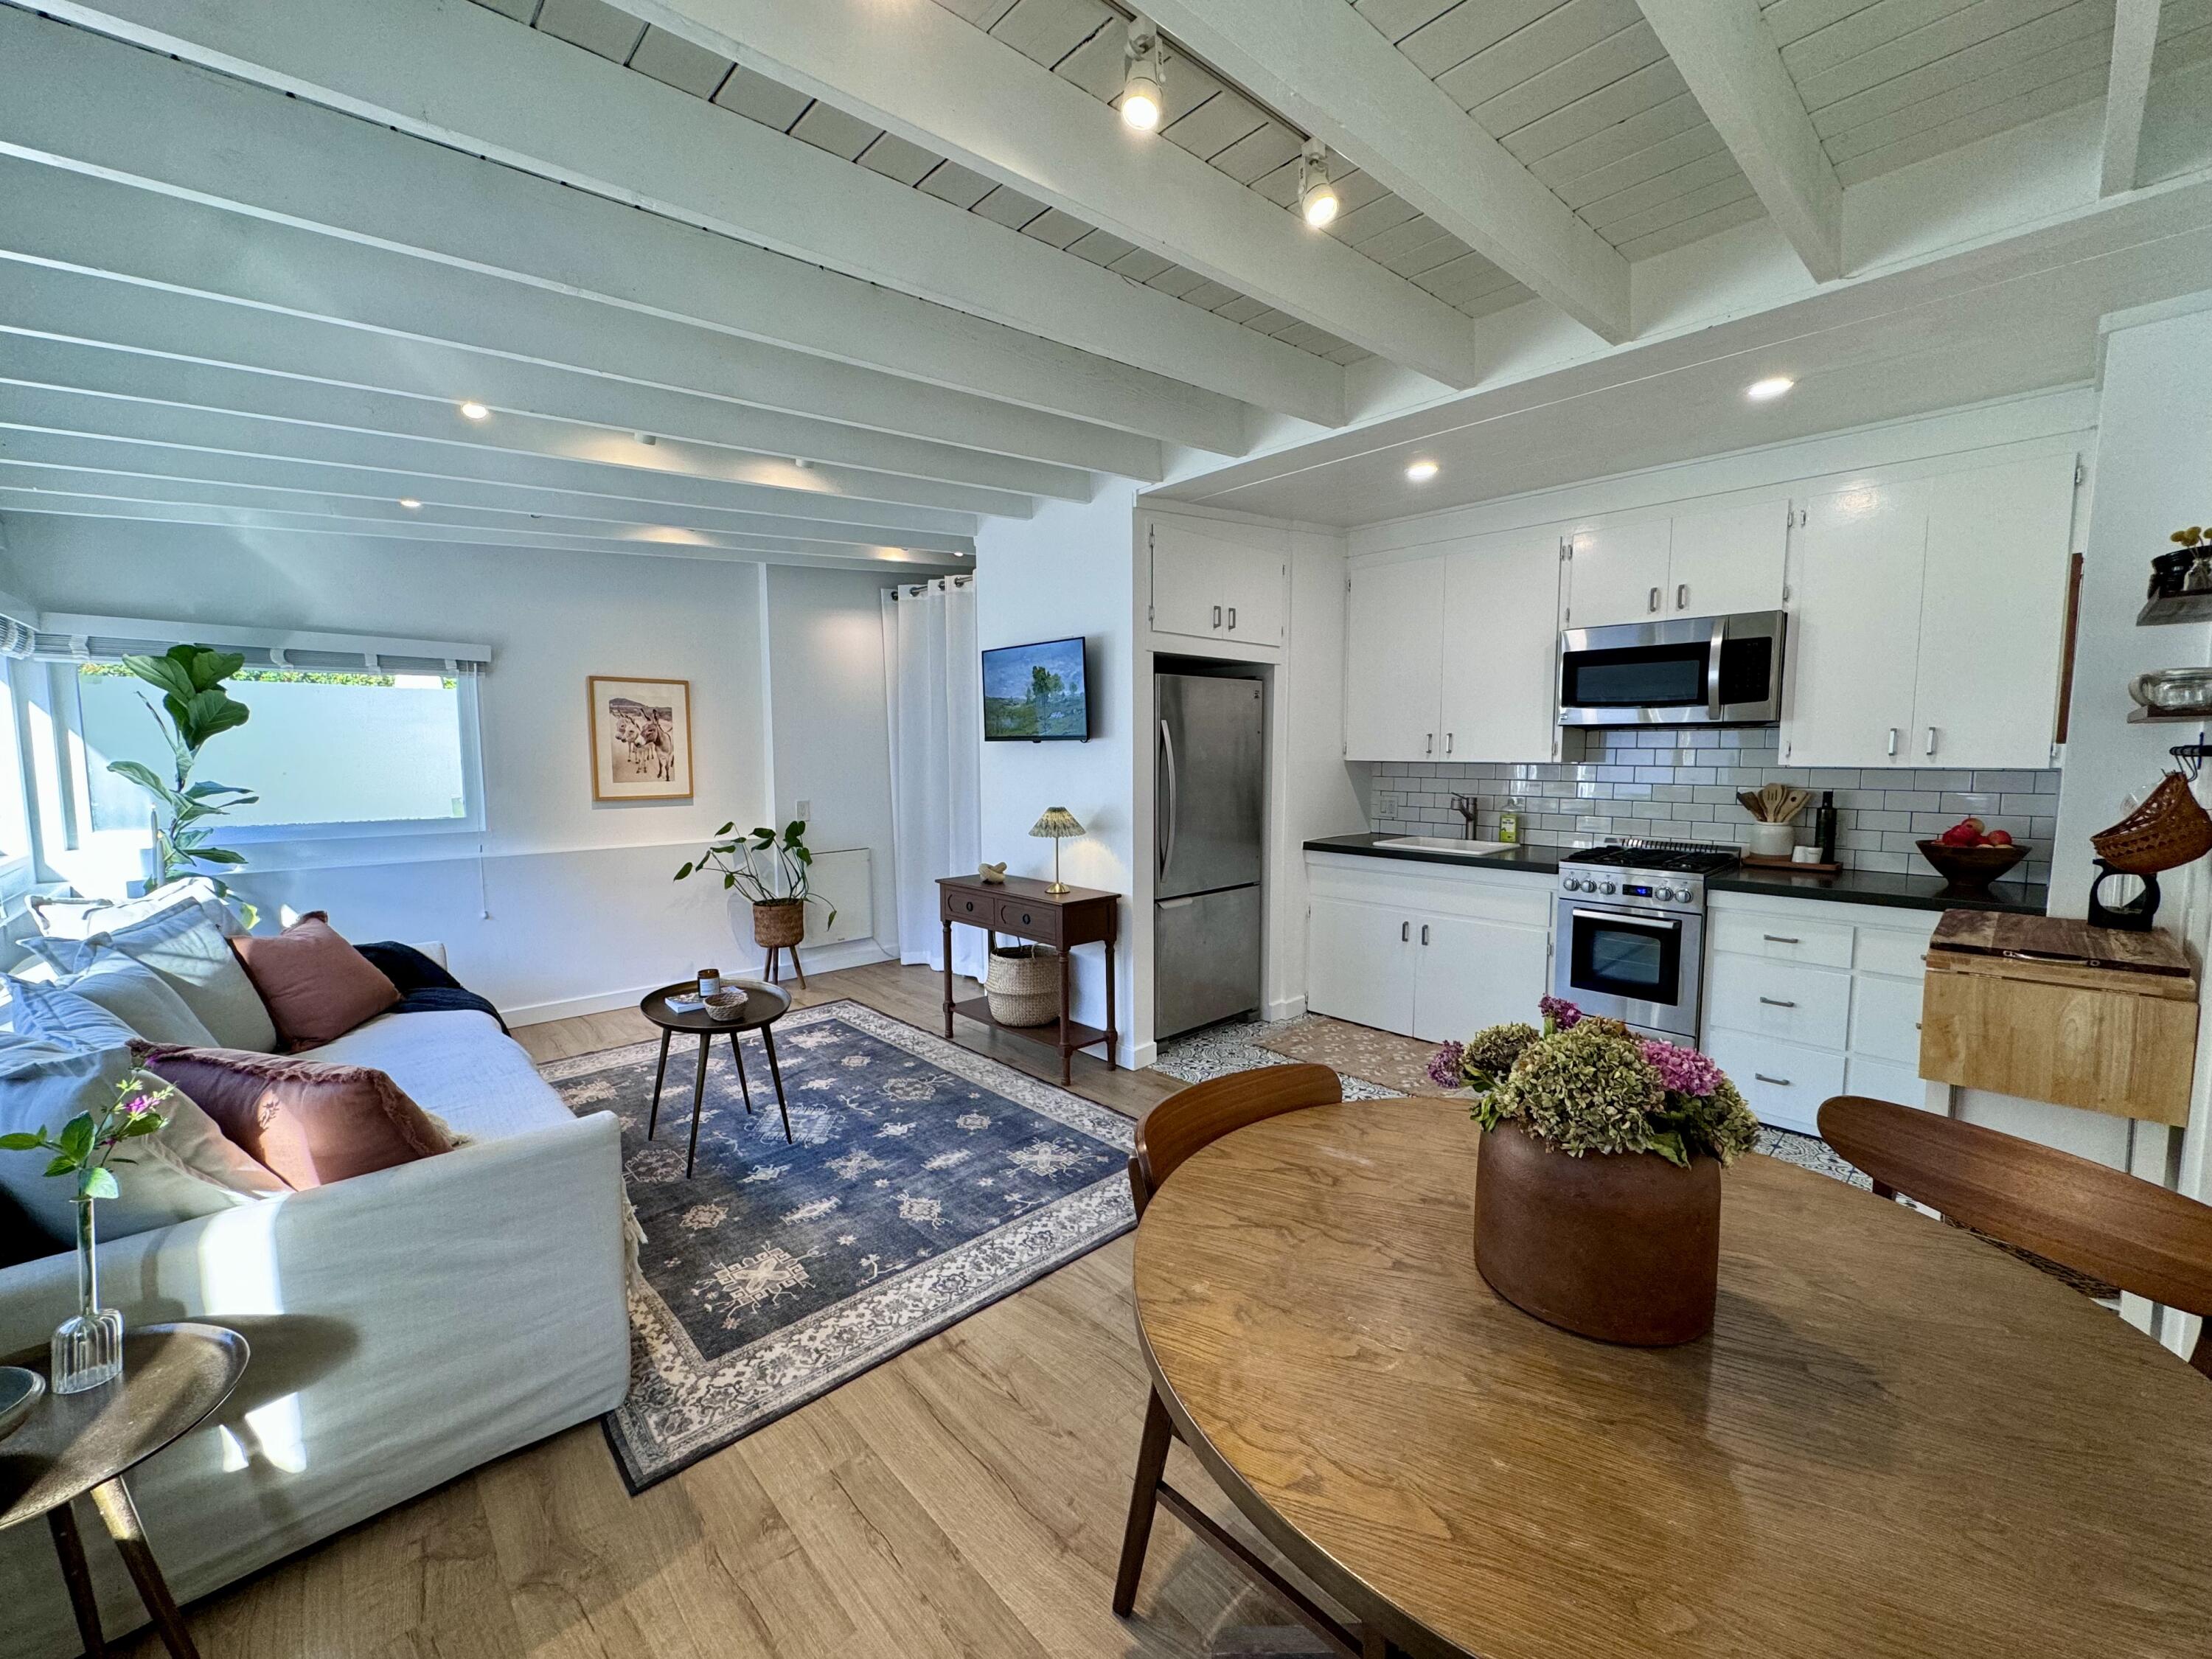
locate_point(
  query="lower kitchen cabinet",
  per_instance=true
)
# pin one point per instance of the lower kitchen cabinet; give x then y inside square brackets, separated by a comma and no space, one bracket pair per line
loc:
[1807,999]
[1425,950]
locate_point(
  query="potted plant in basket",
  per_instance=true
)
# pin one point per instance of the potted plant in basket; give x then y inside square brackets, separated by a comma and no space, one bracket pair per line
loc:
[87,1349]
[774,871]
[1597,1196]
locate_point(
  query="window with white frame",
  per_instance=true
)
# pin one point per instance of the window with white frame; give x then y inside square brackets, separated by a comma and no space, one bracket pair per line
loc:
[346,736]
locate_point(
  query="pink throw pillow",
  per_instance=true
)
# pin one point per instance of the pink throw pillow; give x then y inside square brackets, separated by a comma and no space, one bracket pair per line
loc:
[317,987]
[305,1122]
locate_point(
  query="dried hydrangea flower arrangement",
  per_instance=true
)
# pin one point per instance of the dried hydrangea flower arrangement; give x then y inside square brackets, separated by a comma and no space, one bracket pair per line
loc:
[1584,1085]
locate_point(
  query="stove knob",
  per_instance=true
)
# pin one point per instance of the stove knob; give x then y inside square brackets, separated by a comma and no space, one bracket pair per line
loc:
[1572,885]
[1605,887]
[1680,896]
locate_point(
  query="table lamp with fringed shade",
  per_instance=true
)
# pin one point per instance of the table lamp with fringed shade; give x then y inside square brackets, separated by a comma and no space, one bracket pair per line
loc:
[1057,824]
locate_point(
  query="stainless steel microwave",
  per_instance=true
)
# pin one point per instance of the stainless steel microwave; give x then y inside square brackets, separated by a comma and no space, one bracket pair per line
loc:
[1688,670]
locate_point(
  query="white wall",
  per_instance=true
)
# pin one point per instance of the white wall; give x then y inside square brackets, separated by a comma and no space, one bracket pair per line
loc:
[563,903]
[1069,571]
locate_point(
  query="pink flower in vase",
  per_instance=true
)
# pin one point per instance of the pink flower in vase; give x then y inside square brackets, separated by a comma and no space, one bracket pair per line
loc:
[1561,1012]
[1444,1066]
[1683,1071]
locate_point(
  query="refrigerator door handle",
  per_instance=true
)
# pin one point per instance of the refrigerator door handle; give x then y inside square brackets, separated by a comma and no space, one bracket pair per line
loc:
[1167,823]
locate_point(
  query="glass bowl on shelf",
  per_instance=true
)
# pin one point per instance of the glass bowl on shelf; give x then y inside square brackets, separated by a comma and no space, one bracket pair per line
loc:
[2173,691]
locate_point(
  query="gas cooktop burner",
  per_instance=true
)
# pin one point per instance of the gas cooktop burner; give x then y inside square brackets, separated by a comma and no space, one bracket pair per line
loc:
[1688,857]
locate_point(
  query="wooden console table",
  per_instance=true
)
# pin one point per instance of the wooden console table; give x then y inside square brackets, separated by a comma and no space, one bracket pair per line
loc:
[1021,907]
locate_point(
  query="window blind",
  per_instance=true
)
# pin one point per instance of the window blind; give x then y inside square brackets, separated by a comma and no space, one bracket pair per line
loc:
[109,640]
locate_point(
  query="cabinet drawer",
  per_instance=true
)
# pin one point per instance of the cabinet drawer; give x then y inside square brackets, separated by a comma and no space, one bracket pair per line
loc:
[1892,950]
[1885,1019]
[976,908]
[1883,1079]
[1783,938]
[1784,1000]
[1037,922]
[1782,1084]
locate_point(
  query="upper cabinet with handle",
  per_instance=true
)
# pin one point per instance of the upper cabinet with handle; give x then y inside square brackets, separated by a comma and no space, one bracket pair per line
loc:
[1453,657]
[1701,561]
[1208,586]
[1930,618]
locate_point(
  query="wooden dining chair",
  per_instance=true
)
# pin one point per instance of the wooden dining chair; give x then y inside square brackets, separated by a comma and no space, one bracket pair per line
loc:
[1177,1127]
[2082,1215]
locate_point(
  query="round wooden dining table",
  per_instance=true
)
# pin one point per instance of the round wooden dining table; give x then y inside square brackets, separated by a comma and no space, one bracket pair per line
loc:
[1897,1441]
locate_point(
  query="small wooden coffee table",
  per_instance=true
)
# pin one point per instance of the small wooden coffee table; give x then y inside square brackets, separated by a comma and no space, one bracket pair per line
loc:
[173,1376]
[764,1004]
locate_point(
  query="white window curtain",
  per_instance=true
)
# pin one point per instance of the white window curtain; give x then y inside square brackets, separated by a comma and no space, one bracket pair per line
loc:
[932,679]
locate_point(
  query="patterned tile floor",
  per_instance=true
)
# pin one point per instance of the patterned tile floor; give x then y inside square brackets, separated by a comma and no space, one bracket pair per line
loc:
[1243,1045]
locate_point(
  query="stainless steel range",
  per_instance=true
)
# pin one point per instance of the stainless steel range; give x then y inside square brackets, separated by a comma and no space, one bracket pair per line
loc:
[1631,940]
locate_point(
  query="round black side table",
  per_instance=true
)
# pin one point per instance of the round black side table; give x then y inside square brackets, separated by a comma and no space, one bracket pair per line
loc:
[71,1444]
[764,1004]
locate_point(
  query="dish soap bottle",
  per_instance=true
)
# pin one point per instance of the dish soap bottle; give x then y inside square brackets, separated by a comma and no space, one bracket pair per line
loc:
[1823,826]
[1509,823]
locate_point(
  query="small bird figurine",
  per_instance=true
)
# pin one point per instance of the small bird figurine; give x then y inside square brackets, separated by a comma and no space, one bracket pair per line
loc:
[994,875]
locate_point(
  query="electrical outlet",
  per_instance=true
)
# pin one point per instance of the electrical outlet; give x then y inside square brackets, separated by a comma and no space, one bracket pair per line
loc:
[804,811]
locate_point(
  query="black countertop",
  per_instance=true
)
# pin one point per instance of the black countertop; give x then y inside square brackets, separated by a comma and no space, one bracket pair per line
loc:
[1906,892]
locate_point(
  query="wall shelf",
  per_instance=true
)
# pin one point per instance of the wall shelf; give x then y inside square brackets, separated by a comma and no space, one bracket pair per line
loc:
[2141,716]
[2175,608]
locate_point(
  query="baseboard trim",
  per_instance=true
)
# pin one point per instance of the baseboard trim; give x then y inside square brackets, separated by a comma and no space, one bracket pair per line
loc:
[1140,1056]
[1285,1008]
[822,959]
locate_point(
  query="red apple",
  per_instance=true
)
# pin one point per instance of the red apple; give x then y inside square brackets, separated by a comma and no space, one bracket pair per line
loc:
[1997,838]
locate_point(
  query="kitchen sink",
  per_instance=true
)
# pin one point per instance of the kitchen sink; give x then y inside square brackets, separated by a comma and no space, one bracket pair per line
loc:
[1446,844]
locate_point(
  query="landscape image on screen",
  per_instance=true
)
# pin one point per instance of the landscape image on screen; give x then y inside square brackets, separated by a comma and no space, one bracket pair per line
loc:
[1034,691]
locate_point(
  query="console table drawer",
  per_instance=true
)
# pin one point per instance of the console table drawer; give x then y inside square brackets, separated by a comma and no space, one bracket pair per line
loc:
[1036,921]
[976,908]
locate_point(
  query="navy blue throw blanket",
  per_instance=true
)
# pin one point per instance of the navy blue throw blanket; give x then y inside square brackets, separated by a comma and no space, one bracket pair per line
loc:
[424,987]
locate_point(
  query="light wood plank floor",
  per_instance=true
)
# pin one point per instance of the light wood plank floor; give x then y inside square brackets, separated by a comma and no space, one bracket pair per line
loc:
[965,1499]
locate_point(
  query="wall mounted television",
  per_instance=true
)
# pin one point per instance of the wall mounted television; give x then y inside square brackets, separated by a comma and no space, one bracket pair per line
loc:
[1036,693]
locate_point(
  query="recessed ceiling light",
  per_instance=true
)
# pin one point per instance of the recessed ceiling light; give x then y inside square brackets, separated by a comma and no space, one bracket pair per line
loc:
[475,411]
[1771,387]
[1144,77]
[1317,196]
[1421,472]
[410,504]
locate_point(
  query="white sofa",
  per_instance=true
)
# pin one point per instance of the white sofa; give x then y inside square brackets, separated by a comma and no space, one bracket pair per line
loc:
[406,1326]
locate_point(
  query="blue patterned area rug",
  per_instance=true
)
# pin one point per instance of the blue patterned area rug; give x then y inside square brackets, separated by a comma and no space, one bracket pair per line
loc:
[926,1184]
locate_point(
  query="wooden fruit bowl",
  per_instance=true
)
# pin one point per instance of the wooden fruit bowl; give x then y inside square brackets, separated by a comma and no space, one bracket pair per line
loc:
[1972,869]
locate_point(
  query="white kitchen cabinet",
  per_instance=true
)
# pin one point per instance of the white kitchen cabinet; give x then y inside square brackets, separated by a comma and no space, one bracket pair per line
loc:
[1727,559]
[1360,963]
[1431,950]
[1618,574]
[1928,620]
[1210,587]
[1394,661]
[1806,998]
[1993,615]
[1500,648]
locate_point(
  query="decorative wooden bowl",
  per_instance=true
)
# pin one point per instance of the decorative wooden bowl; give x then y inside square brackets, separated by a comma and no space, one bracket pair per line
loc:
[1972,869]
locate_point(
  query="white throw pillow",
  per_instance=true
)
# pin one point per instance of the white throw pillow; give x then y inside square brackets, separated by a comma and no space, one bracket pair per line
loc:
[128,991]
[74,918]
[194,958]
[187,1170]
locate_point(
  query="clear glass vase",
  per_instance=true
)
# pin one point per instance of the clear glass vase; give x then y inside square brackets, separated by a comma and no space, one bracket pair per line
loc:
[88,1348]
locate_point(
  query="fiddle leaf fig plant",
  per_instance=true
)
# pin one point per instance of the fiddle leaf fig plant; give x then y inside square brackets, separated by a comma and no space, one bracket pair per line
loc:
[768,867]
[197,708]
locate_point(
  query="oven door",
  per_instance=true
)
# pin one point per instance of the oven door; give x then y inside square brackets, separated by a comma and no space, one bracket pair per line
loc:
[1641,966]
[1691,671]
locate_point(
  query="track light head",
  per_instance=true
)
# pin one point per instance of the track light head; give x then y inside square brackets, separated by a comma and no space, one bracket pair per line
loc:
[1317,196]
[1143,79]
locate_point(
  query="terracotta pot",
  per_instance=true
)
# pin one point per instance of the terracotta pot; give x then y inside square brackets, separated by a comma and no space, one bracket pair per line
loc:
[1625,1249]
[779,923]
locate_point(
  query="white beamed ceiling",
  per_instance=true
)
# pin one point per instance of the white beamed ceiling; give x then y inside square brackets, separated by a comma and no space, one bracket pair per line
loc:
[254,253]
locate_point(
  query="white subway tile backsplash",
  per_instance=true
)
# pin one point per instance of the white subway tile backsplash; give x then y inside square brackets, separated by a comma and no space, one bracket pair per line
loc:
[1682,785]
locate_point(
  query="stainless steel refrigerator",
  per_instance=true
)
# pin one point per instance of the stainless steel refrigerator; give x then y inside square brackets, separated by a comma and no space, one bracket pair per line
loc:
[1210,805]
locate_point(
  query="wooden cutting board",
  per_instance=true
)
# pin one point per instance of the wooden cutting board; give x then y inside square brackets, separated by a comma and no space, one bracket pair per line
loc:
[2049,1008]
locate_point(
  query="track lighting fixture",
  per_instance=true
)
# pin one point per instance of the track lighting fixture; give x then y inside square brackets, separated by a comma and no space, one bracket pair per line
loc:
[1143,81]
[1317,196]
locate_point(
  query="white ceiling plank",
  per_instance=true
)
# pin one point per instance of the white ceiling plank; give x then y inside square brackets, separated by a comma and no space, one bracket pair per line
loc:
[678,545]
[464,76]
[940,83]
[679,477]
[385,509]
[1325,67]
[430,445]
[1732,66]
[37,360]
[786,513]
[634,364]
[98,103]
[2135,38]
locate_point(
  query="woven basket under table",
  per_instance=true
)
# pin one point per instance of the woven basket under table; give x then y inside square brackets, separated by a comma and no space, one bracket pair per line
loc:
[1023,985]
